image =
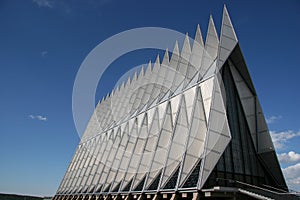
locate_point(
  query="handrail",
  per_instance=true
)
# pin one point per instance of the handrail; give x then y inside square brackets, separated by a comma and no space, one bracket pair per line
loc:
[271,187]
[260,188]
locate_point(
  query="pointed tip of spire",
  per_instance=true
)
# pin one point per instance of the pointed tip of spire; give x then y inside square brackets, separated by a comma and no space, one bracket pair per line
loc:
[128,81]
[225,8]
[212,28]
[212,23]
[134,76]
[142,69]
[176,48]
[112,92]
[225,11]
[186,48]
[211,19]
[167,51]
[156,64]
[107,95]
[198,36]
[141,74]
[122,85]
[99,104]
[198,31]
[187,38]
[166,59]
[227,22]
[118,88]
[157,60]
[149,67]
[212,39]
[228,39]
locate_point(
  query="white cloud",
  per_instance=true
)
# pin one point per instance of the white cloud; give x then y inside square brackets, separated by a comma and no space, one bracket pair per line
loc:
[289,157]
[44,3]
[280,138]
[38,117]
[31,116]
[292,176]
[272,119]
[41,118]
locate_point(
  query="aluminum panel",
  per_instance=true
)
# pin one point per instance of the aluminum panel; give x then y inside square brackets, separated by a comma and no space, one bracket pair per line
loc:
[160,154]
[177,147]
[195,145]
[206,91]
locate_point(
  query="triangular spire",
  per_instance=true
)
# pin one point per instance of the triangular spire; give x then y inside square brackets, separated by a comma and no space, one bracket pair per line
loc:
[175,56]
[102,99]
[196,57]
[141,74]
[149,68]
[112,92]
[157,60]
[186,48]
[166,60]
[183,64]
[212,41]
[134,78]
[197,51]
[107,96]
[228,39]
[116,90]
[176,48]
[211,49]
[153,70]
[98,104]
[157,63]
[122,86]
[128,82]
[198,36]
[227,22]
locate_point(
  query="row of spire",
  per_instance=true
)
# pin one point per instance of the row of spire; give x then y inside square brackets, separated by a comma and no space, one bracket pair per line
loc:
[191,61]
[212,41]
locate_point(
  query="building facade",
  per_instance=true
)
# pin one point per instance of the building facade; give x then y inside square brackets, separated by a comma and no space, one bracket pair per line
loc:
[178,129]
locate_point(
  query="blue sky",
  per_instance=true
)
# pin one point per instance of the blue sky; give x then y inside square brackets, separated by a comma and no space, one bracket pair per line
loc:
[43,43]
